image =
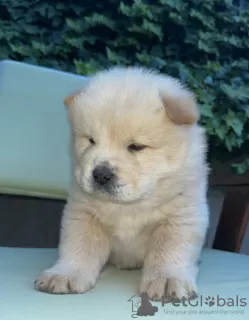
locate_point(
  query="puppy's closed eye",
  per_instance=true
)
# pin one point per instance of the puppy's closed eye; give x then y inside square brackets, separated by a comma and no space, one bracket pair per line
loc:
[136,147]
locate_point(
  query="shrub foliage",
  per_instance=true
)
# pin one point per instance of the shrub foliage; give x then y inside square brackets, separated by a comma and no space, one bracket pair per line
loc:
[204,43]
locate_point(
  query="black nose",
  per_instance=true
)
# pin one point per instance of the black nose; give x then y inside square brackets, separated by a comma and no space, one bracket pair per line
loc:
[102,175]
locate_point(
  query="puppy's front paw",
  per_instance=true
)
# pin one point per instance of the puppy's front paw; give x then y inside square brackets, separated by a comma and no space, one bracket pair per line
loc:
[63,279]
[168,289]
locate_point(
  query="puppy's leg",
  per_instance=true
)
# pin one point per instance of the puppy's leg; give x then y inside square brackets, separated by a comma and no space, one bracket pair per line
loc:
[170,266]
[83,251]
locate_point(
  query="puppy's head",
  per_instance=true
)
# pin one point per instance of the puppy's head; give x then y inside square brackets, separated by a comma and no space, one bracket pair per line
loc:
[131,129]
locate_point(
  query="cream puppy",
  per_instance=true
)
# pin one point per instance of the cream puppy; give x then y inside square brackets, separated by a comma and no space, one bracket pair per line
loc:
[138,197]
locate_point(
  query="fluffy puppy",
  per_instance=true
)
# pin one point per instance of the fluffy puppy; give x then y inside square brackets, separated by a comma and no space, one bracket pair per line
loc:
[138,196]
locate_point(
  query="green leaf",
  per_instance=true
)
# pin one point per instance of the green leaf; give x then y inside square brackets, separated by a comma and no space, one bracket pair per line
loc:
[236,41]
[158,63]
[144,58]
[221,132]
[86,68]
[197,14]
[125,10]
[75,25]
[206,111]
[241,168]
[204,46]
[142,9]
[177,18]
[235,123]
[175,4]
[242,63]
[243,93]
[208,80]
[113,57]
[99,19]
[41,47]
[153,28]
[230,143]
[46,10]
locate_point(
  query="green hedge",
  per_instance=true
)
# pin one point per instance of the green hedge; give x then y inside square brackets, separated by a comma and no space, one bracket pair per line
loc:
[205,43]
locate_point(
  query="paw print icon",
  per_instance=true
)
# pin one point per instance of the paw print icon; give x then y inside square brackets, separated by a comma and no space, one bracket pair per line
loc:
[209,301]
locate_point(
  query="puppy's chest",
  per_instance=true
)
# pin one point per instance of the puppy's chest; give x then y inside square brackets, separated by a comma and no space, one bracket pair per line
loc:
[129,237]
[128,244]
[125,228]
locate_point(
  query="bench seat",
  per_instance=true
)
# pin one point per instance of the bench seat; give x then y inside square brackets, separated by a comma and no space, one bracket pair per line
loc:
[221,274]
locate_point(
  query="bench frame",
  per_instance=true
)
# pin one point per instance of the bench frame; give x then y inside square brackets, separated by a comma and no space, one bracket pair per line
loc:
[234,217]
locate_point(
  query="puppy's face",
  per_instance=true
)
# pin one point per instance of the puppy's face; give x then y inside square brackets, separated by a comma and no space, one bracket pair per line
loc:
[130,130]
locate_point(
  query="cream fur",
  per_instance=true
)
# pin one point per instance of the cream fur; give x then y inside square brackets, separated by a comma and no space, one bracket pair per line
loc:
[158,217]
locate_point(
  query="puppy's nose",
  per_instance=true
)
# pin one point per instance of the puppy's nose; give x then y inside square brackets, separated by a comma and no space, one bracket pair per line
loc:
[102,175]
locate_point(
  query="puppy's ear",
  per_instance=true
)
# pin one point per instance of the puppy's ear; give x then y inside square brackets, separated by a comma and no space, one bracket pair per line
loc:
[68,101]
[181,106]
